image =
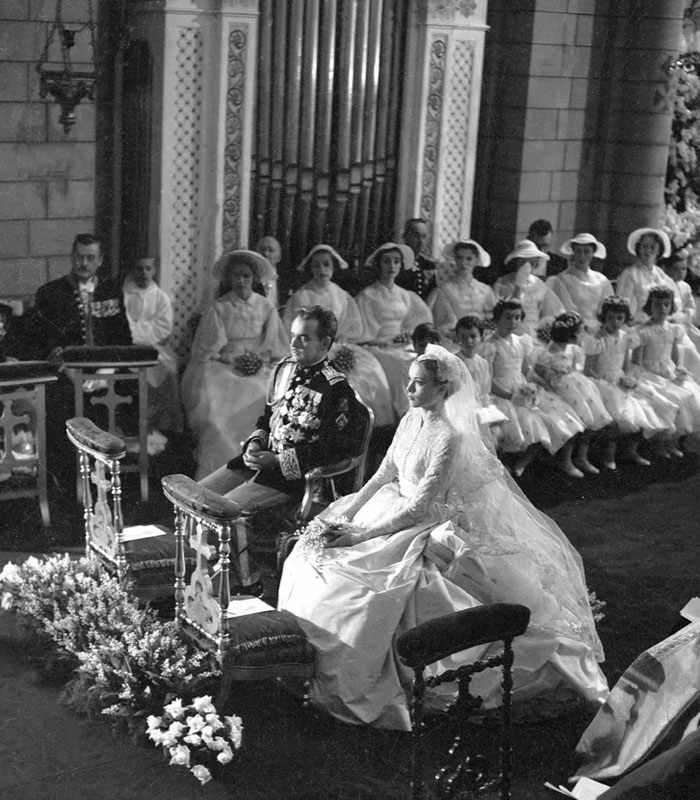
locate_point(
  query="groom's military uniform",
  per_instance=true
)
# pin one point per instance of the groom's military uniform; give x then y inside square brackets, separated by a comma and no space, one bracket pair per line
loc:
[310,420]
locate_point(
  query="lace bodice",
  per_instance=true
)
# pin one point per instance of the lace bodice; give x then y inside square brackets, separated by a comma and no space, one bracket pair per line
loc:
[388,312]
[233,326]
[419,459]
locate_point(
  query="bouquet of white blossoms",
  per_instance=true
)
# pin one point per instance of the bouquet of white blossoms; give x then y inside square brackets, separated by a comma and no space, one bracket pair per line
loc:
[195,736]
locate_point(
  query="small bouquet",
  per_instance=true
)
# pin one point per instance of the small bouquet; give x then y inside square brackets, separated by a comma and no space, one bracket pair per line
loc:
[597,607]
[627,382]
[526,395]
[315,537]
[195,736]
[248,363]
[544,332]
[344,359]
[402,338]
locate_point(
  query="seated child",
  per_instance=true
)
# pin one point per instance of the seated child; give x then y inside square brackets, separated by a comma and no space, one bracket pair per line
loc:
[468,332]
[560,366]
[150,315]
[424,334]
[607,364]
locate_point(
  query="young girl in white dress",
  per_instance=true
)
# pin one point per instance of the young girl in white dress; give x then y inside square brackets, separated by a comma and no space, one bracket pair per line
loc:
[389,315]
[660,370]
[365,373]
[439,528]
[560,365]
[225,382]
[607,364]
[469,337]
[462,295]
[539,417]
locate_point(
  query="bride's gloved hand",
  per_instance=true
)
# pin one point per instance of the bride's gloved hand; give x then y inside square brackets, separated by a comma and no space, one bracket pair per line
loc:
[342,535]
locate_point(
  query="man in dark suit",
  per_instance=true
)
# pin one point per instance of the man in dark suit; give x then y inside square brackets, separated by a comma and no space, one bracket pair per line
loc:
[421,278]
[541,233]
[82,307]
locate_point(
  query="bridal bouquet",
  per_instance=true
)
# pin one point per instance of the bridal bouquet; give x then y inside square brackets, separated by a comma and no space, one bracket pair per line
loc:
[317,534]
[344,359]
[195,736]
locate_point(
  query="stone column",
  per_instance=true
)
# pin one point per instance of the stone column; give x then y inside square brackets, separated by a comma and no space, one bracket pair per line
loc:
[204,55]
[625,164]
[443,68]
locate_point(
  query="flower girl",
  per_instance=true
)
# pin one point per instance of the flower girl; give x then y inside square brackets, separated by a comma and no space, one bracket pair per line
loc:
[560,365]
[506,353]
[660,370]
[607,364]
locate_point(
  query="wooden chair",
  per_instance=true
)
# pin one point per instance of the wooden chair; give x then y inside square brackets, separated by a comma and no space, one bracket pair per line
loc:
[250,640]
[128,364]
[23,403]
[143,557]
[464,773]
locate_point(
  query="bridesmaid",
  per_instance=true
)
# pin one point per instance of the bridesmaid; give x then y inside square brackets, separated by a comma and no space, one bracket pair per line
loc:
[389,314]
[364,372]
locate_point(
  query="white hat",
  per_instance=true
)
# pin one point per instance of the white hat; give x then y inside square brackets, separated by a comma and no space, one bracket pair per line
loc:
[262,269]
[525,249]
[635,236]
[584,238]
[484,257]
[320,248]
[404,249]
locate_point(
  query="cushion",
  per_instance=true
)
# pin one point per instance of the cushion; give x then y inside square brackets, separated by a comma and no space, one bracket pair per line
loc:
[152,561]
[20,372]
[266,645]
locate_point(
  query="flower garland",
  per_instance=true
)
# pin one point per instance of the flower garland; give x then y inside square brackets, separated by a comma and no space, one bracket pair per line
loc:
[344,359]
[248,363]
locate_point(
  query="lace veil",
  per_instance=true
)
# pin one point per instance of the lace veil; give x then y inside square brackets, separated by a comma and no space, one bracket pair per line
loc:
[499,517]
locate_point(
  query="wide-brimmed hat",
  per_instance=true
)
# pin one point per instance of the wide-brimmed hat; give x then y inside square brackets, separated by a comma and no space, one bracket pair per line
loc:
[584,238]
[262,269]
[525,249]
[404,249]
[340,262]
[484,257]
[635,236]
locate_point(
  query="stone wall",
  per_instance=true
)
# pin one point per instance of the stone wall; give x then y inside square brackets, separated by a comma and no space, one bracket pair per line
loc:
[575,118]
[47,182]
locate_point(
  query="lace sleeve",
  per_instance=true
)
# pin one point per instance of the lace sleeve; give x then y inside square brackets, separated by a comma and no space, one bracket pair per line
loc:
[432,484]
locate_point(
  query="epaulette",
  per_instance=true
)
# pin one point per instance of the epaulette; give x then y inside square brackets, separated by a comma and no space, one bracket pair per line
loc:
[332,375]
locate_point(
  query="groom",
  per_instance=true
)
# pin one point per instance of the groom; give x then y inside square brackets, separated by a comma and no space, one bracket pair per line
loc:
[310,420]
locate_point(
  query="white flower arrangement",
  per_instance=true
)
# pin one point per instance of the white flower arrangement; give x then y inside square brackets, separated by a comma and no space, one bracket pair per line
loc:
[195,736]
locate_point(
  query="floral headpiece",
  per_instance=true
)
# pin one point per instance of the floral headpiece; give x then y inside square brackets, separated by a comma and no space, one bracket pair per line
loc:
[448,365]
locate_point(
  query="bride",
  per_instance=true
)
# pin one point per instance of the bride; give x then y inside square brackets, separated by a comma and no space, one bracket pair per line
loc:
[439,528]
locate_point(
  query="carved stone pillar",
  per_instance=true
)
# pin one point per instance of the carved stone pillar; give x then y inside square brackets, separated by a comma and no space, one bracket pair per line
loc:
[443,70]
[204,55]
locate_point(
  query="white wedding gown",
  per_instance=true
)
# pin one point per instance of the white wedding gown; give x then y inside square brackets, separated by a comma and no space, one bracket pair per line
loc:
[446,544]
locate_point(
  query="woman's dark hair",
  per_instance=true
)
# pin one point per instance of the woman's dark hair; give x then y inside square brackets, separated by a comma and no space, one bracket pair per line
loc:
[374,266]
[425,333]
[614,305]
[466,323]
[659,293]
[655,236]
[327,323]
[334,261]
[566,327]
[505,305]
[465,246]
